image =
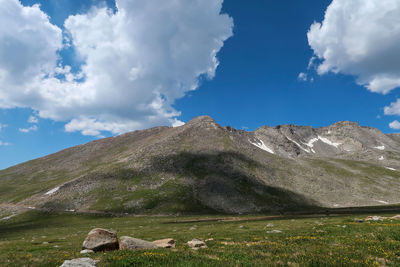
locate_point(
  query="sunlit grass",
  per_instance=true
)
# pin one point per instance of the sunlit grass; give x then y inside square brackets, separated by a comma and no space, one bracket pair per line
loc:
[39,239]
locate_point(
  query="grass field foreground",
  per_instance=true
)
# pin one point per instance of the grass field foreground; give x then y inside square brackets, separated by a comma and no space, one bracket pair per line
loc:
[42,239]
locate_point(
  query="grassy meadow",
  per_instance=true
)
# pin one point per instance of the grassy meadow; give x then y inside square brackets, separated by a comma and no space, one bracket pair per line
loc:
[43,239]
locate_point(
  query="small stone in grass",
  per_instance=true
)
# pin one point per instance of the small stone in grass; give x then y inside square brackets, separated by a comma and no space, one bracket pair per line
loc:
[86,251]
[196,244]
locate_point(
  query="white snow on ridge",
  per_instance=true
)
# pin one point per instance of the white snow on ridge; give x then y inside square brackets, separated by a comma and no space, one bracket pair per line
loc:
[306,150]
[8,217]
[323,139]
[260,144]
[329,142]
[380,147]
[383,202]
[382,158]
[392,169]
[52,191]
[311,142]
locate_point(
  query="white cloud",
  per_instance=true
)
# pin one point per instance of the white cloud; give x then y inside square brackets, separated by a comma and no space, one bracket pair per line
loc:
[360,38]
[177,123]
[393,109]
[302,77]
[28,52]
[33,128]
[137,61]
[2,126]
[395,125]
[33,119]
[4,144]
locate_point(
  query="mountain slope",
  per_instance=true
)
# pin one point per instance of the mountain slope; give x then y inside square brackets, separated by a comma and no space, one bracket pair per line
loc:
[203,167]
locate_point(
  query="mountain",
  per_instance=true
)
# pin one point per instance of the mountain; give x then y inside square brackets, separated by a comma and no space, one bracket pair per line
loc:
[201,167]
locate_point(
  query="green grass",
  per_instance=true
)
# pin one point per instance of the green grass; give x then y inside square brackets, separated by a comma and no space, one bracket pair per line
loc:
[43,239]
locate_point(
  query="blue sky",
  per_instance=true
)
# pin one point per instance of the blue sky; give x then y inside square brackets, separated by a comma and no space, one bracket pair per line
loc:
[263,47]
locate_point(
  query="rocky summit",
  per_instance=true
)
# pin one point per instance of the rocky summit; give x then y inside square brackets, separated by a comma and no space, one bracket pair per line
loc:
[201,167]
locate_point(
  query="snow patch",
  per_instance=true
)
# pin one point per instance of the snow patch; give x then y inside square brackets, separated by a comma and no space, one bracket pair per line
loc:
[311,142]
[380,147]
[329,142]
[297,144]
[392,169]
[382,158]
[323,139]
[383,202]
[8,217]
[260,144]
[52,191]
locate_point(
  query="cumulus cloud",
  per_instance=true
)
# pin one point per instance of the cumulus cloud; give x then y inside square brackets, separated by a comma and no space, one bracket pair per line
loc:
[136,61]
[360,38]
[395,125]
[393,109]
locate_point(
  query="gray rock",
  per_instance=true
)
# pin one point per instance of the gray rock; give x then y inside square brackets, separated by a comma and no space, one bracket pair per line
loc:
[130,243]
[165,243]
[81,262]
[100,240]
[196,244]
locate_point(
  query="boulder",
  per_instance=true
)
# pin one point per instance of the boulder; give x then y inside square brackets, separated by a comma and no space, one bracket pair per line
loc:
[165,243]
[81,262]
[397,217]
[100,240]
[130,243]
[196,244]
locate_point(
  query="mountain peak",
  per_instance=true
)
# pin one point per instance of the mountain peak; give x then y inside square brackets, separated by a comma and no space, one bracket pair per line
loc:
[201,120]
[346,124]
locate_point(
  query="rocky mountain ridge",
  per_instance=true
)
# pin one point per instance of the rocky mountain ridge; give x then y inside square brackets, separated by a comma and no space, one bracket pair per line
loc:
[203,167]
